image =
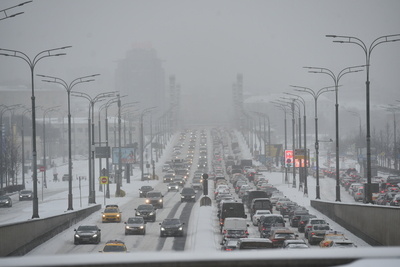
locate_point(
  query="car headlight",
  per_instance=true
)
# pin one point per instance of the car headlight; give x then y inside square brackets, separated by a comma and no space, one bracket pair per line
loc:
[192,196]
[137,213]
[182,197]
[180,228]
[140,191]
[147,201]
[160,200]
[77,236]
[104,215]
[151,213]
[118,215]
[95,235]
[162,229]
[127,227]
[142,227]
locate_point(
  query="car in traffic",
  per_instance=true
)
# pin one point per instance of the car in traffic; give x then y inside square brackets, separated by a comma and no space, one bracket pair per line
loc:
[254,243]
[229,245]
[317,233]
[278,235]
[144,189]
[25,195]
[171,227]
[258,214]
[146,176]
[168,177]
[147,211]
[135,225]
[87,234]
[155,198]
[295,244]
[111,214]
[188,194]
[5,201]
[268,222]
[173,187]
[114,246]
[309,226]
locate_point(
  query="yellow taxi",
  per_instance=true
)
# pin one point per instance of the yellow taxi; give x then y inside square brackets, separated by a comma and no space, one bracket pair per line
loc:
[330,237]
[111,214]
[114,246]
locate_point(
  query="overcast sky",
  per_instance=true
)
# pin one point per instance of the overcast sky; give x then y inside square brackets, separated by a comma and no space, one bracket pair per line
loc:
[206,43]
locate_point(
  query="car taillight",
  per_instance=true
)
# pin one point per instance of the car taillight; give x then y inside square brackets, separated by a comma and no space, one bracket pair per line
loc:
[224,231]
[247,232]
[263,229]
[309,227]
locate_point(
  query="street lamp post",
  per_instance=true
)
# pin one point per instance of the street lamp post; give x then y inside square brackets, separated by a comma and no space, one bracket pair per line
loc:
[146,110]
[6,16]
[91,143]
[367,51]
[23,145]
[336,79]
[315,95]
[32,64]
[301,99]
[284,109]
[68,88]
[48,110]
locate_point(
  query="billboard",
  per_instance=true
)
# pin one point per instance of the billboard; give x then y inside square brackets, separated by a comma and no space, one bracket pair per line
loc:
[127,155]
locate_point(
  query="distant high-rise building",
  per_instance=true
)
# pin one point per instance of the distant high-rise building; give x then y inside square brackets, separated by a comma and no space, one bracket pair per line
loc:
[140,75]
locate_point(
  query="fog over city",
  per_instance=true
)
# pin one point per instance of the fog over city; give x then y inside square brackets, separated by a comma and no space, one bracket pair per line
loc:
[205,44]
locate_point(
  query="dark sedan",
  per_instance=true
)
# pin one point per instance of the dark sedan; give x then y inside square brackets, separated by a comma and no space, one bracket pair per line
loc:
[188,194]
[144,189]
[147,211]
[87,234]
[171,227]
[5,201]
[25,195]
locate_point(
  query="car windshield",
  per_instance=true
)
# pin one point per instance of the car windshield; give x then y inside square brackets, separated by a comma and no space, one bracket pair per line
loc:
[145,207]
[171,221]
[188,191]
[114,248]
[87,228]
[135,220]
[26,192]
[153,194]
[146,187]
[285,235]
[111,210]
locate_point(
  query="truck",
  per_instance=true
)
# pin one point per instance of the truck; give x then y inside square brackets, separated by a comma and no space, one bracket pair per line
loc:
[235,228]
[246,162]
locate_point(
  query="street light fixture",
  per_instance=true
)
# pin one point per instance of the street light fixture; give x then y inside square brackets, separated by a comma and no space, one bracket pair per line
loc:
[68,88]
[146,110]
[91,143]
[32,64]
[13,15]
[48,110]
[315,95]
[336,79]
[305,171]
[367,51]
[284,109]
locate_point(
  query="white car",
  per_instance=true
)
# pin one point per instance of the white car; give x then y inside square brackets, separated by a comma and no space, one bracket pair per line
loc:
[258,214]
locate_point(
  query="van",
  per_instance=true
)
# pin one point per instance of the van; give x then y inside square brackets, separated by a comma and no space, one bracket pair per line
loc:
[235,228]
[260,204]
[229,210]
[252,195]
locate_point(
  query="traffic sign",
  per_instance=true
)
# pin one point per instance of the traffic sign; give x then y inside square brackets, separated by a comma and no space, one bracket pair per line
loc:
[289,158]
[104,179]
[42,168]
